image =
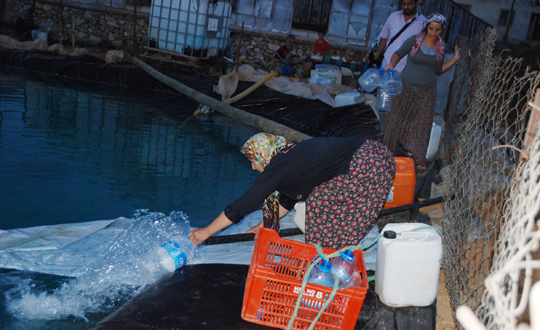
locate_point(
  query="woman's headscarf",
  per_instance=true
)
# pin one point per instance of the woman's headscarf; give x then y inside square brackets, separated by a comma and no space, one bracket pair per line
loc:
[439,46]
[261,148]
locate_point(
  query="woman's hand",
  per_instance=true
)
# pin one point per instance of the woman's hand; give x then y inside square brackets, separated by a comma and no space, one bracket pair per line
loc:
[255,229]
[389,67]
[456,53]
[199,235]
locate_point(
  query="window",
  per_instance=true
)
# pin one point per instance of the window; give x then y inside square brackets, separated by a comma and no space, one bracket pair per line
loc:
[503,17]
[311,15]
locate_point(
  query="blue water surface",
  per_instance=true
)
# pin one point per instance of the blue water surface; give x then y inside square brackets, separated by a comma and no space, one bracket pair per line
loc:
[71,153]
[82,154]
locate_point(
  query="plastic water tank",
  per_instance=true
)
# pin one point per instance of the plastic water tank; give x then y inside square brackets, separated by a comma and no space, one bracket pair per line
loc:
[193,27]
[434,140]
[408,264]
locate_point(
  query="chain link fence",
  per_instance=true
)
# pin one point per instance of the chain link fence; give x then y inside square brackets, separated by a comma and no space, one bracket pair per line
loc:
[492,190]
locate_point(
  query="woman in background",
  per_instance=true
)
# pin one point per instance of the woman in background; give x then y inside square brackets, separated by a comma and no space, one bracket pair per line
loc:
[411,118]
[344,182]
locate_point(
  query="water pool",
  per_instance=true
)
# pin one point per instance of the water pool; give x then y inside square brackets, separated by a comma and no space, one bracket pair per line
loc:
[82,153]
[72,155]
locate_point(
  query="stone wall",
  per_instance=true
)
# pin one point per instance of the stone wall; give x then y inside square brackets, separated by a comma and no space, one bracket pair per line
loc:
[90,25]
[258,51]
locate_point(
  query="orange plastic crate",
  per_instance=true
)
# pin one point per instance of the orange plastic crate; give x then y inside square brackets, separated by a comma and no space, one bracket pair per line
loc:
[275,279]
[402,191]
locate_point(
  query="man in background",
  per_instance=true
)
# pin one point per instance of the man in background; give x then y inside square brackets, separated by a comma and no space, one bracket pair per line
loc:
[394,24]
[284,60]
[281,54]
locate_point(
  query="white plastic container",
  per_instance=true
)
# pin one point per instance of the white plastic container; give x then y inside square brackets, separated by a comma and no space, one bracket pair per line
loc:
[348,98]
[407,271]
[434,140]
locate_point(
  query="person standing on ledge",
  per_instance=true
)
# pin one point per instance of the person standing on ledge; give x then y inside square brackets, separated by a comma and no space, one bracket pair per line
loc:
[344,182]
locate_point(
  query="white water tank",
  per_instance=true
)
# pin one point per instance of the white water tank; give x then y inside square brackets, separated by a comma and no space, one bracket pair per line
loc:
[191,27]
[408,264]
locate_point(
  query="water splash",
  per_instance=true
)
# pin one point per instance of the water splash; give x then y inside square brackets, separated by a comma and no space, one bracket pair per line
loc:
[108,282]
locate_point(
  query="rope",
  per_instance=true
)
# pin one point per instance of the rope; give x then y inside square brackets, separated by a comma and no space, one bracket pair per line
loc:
[327,257]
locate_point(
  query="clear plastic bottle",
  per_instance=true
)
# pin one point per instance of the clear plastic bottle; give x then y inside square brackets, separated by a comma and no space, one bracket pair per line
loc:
[343,265]
[321,274]
[323,81]
[392,82]
[384,100]
[370,80]
[165,259]
[352,281]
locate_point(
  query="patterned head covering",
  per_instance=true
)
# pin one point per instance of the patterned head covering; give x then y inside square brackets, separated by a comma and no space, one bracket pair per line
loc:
[261,148]
[439,46]
[435,17]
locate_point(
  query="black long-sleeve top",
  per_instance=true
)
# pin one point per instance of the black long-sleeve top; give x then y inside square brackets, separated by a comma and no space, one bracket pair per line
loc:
[296,172]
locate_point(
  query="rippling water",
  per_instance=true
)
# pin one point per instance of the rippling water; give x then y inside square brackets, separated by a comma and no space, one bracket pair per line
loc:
[73,154]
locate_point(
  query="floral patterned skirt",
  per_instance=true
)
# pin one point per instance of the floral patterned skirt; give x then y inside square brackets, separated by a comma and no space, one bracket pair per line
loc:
[340,212]
[410,121]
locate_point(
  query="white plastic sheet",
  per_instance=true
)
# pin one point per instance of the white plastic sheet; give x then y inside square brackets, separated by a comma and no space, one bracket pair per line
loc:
[66,249]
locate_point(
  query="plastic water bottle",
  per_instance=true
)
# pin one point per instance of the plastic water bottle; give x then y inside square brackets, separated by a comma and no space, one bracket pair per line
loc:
[370,80]
[165,259]
[352,281]
[316,79]
[321,274]
[343,265]
[384,100]
[392,82]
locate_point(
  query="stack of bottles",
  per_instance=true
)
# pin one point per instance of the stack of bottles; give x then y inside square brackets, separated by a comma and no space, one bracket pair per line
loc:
[388,84]
[344,268]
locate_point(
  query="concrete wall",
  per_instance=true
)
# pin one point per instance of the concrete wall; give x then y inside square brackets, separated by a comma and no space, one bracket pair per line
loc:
[489,12]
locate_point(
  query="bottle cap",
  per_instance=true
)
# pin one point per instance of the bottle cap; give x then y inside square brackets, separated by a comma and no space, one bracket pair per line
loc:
[325,266]
[347,255]
[390,234]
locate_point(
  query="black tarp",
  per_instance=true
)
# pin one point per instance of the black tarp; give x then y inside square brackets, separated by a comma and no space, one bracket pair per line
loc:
[210,297]
[311,117]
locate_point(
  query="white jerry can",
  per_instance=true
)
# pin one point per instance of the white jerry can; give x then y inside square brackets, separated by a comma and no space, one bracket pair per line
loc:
[408,265]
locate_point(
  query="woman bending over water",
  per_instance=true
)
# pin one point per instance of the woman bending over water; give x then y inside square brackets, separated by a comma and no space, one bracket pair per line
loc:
[344,182]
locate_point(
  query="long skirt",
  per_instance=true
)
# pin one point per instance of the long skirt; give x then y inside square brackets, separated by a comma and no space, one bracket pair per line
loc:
[340,212]
[410,121]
